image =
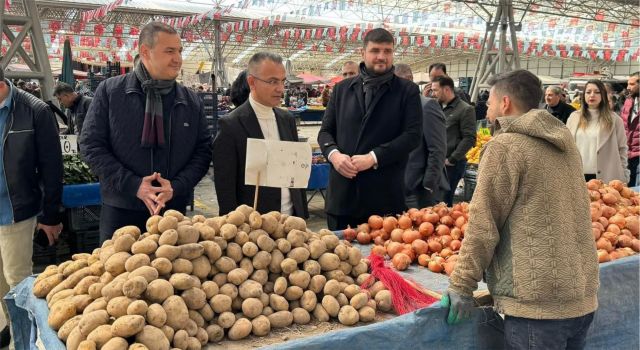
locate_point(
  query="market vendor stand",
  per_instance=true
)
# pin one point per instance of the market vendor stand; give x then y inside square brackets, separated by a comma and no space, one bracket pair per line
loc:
[615,325]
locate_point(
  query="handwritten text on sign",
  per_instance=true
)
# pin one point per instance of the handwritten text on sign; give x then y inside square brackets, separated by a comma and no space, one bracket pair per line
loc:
[69,144]
[283,164]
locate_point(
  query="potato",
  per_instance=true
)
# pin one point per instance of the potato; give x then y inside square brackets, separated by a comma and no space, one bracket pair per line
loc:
[61,295]
[74,339]
[260,326]
[116,343]
[60,313]
[167,223]
[342,252]
[48,271]
[260,276]
[76,277]
[156,315]
[288,265]
[317,283]
[320,314]
[176,310]
[134,231]
[197,317]
[266,243]
[225,264]
[250,289]
[168,332]
[182,281]
[237,276]
[212,250]
[178,215]
[168,251]
[348,316]
[280,286]
[145,246]
[117,306]
[331,305]
[337,275]
[215,333]
[68,326]
[123,243]
[280,319]
[74,266]
[100,335]
[191,251]
[312,267]
[228,231]
[220,279]
[115,264]
[138,346]
[138,307]
[226,319]
[375,288]
[201,267]
[180,265]
[106,277]
[345,267]
[267,311]
[181,339]
[261,260]
[383,300]
[230,290]
[194,298]
[206,312]
[276,260]
[106,252]
[158,291]
[300,278]
[317,248]
[163,266]
[283,245]
[278,303]
[134,287]
[299,254]
[152,224]
[359,300]
[98,304]
[252,307]
[83,286]
[293,293]
[168,237]
[354,256]
[87,345]
[359,269]
[220,303]
[366,314]
[294,223]
[332,287]
[234,251]
[342,299]
[301,316]
[96,268]
[269,223]
[329,261]
[210,289]
[91,321]
[351,290]
[136,261]
[296,238]
[236,218]
[240,329]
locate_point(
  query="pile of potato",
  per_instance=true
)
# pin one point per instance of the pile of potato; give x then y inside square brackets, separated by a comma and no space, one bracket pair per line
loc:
[186,282]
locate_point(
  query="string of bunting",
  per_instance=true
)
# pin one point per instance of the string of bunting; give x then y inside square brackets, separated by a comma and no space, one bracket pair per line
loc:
[102,11]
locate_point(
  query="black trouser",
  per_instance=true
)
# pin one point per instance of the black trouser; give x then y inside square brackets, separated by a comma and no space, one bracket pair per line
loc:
[112,218]
[340,222]
[588,177]
[420,198]
[455,174]
[633,168]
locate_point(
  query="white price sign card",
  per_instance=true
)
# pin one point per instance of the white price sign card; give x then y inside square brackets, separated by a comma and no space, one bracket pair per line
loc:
[283,164]
[69,144]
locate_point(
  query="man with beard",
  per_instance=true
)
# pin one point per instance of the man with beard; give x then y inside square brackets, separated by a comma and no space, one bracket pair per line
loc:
[145,136]
[371,124]
[629,114]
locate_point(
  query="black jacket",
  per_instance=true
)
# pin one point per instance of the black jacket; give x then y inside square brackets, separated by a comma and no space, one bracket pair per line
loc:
[561,111]
[391,131]
[79,111]
[33,160]
[461,129]
[229,160]
[110,143]
[425,167]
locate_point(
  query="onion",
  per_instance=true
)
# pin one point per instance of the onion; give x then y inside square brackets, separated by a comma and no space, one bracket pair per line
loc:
[617,219]
[597,225]
[442,211]
[617,185]
[612,237]
[440,260]
[435,246]
[401,261]
[349,234]
[431,217]
[613,228]
[363,238]
[456,233]
[635,244]
[446,252]
[379,250]
[603,221]
[464,228]
[396,235]
[625,232]
[408,251]
[442,230]
[447,220]
[394,248]
[457,207]
[404,222]
[603,243]
[607,211]
[614,255]
[626,193]
[421,247]
[449,266]
[632,223]
[596,213]
[426,229]
[434,266]
[363,228]
[378,241]
[609,198]
[603,256]
[594,195]
[460,221]
[410,235]
[389,223]
[594,184]
[456,214]
[596,233]
[455,245]
[445,240]
[414,214]
[375,222]
[375,233]
[424,259]
[624,241]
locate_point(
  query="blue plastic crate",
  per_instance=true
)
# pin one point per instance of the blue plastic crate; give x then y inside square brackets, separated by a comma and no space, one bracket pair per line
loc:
[75,196]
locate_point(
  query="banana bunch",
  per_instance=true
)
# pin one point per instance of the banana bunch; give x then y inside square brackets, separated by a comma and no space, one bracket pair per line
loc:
[473,155]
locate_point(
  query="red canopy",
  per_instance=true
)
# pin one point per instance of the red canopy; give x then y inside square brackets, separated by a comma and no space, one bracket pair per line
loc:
[311,79]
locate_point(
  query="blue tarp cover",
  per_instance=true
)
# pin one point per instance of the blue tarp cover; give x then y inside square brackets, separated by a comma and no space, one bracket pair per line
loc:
[616,324]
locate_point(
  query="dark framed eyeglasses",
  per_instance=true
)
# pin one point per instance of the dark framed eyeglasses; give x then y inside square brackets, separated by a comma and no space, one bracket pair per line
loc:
[272,82]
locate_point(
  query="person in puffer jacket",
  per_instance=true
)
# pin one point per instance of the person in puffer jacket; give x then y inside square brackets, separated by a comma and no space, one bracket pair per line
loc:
[529,229]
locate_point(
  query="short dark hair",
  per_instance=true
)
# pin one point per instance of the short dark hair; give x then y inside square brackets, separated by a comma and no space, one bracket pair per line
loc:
[440,66]
[62,88]
[555,89]
[378,35]
[348,63]
[149,31]
[240,89]
[444,81]
[635,74]
[257,58]
[522,86]
[403,70]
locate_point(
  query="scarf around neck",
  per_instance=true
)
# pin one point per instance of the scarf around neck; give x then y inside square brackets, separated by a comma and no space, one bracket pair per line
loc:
[372,82]
[153,128]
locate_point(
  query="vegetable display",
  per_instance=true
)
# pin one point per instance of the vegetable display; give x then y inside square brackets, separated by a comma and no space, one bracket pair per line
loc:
[186,282]
[482,137]
[76,171]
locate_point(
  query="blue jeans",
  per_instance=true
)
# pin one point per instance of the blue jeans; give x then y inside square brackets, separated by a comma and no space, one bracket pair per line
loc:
[525,333]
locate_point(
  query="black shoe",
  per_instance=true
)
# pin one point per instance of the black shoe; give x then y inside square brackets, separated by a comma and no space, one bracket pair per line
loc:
[5,337]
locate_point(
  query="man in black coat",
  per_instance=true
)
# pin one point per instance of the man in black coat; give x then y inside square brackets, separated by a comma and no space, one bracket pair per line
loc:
[145,136]
[555,104]
[76,103]
[257,118]
[425,175]
[371,124]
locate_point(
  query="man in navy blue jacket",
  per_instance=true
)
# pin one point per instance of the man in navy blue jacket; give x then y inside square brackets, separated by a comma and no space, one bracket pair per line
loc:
[145,136]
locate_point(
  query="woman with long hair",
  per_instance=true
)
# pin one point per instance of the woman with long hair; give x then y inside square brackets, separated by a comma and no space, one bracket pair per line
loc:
[599,135]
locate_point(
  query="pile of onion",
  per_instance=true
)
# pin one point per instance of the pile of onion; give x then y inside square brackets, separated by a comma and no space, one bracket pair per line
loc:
[614,215]
[430,236]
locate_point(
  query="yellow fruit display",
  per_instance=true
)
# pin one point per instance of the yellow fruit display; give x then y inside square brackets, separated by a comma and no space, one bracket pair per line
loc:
[473,155]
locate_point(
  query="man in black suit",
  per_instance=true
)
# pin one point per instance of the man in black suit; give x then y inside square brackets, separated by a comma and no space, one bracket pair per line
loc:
[425,174]
[371,124]
[257,118]
[555,104]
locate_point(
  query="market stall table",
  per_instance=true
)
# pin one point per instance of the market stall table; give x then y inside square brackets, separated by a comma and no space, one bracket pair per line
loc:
[318,180]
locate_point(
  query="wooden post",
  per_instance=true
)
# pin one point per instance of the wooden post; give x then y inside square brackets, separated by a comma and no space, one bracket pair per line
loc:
[255,197]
